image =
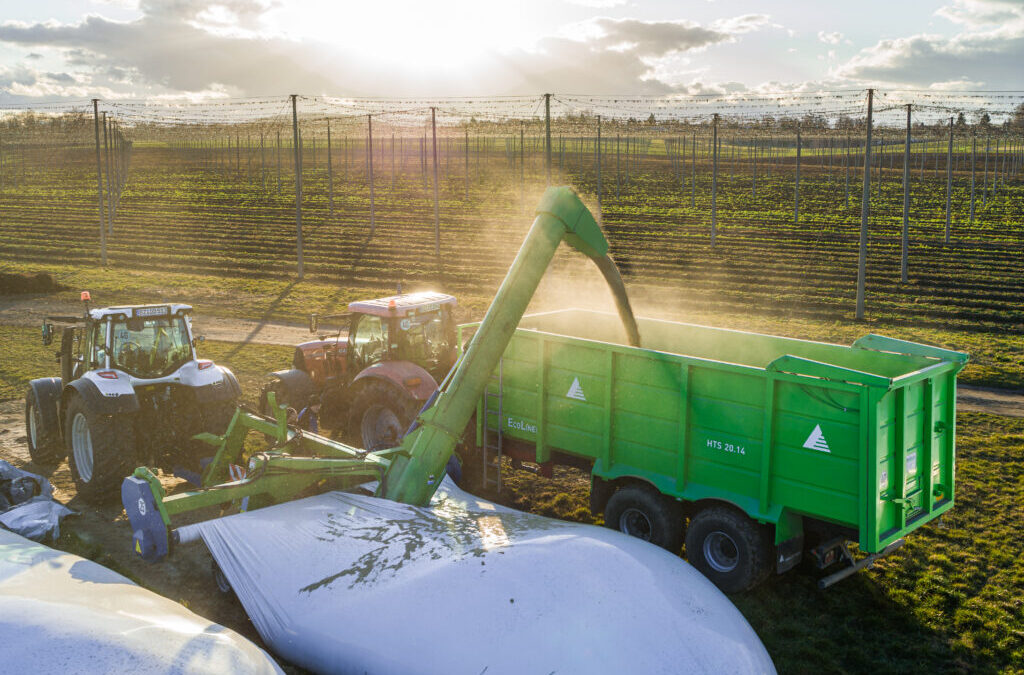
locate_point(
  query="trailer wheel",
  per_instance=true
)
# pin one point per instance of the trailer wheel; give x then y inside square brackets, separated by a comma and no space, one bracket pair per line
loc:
[380,416]
[643,512]
[100,448]
[729,548]
[44,446]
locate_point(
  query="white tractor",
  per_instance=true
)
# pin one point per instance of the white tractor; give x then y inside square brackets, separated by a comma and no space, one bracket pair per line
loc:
[131,391]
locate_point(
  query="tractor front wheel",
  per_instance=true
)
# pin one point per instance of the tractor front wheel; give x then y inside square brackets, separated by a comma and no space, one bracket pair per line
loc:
[44,446]
[100,449]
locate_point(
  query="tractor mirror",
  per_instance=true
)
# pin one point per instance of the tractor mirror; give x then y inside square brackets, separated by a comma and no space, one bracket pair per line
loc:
[47,333]
[314,322]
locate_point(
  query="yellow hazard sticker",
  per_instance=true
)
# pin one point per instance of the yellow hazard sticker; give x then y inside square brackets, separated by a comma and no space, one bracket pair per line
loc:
[138,547]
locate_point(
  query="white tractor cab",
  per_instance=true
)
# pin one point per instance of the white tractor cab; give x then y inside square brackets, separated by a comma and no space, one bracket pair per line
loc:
[131,391]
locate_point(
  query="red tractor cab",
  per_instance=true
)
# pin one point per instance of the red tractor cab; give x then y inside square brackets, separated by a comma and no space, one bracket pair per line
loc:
[372,375]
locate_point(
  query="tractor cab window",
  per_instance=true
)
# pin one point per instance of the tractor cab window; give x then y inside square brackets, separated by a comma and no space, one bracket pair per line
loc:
[423,338]
[150,347]
[369,340]
[99,345]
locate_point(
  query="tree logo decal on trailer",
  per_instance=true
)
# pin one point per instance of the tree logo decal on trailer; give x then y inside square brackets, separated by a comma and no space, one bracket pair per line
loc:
[575,390]
[816,441]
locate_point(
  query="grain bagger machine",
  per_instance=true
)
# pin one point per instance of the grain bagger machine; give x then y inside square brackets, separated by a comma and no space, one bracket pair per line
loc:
[411,471]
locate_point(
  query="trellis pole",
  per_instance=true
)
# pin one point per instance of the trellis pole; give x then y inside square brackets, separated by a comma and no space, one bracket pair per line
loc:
[949,179]
[796,192]
[99,181]
[437,212]
[298,186]
[862,258]
[330,172]
[714,182]
[369,155]
[600,187]
[905,244]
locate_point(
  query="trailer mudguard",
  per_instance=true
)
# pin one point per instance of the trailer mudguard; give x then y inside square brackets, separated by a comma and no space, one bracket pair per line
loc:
[47,391]
[112,400]
[405,375]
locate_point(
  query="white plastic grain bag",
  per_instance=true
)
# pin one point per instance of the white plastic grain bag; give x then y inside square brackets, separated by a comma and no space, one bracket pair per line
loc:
[346,583]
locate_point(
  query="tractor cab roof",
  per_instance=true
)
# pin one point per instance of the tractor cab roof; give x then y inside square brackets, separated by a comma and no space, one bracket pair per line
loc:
[406,304]
[141,311]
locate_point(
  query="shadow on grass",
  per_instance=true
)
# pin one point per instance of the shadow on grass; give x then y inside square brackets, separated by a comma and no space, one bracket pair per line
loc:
[264,319]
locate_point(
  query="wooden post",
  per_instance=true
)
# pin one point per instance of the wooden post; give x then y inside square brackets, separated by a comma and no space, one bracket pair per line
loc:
[949,179]
[796,192]
[298,186]
[599,186]
[905,242]
[330,173]
[467,163]
[862,257]
[974,147]
[106,169]
[714,181]
[369,157]
[437,209]
[547,135]
[99,181]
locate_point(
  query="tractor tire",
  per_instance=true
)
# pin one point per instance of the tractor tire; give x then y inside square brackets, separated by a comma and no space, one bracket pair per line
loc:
[100,450]
[729,548]
[217,416]
[44,446]
[380,415]
[642,512]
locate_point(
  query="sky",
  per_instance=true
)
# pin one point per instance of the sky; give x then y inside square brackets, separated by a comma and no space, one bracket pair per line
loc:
[208,50]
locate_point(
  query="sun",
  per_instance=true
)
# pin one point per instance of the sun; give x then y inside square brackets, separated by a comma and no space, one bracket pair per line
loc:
[450,34]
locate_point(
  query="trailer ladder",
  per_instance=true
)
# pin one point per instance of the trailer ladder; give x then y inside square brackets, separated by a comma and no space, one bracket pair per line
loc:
[492,448]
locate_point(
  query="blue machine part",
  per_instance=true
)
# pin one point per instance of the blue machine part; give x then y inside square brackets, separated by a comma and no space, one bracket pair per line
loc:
[149,532]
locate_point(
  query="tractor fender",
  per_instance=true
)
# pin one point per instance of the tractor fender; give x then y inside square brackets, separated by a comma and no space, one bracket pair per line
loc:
[220,385]
[405,375]
[48,391]
[103,396]
[298,383]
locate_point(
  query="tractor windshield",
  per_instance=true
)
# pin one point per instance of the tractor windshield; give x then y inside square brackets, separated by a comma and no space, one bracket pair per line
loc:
[423,338]
[150,348]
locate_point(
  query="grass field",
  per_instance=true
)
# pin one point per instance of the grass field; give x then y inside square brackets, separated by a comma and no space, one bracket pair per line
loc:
[948,601]
[211,228]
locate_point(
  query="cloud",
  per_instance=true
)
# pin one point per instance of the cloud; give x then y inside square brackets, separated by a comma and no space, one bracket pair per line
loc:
[201,47]
[989,48]
[833,38]
[598,4]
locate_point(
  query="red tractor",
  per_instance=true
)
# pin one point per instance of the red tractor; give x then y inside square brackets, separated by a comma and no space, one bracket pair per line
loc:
[374,374]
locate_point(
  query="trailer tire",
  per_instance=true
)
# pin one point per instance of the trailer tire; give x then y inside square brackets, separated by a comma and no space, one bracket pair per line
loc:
[380,415]
[100,449]
[44,446]
[729,548]
[643,512]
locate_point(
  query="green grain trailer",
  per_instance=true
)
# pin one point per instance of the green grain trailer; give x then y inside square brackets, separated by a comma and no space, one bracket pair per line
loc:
[771,448]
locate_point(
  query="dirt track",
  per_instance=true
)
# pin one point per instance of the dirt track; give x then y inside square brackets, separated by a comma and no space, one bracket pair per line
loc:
[30,310]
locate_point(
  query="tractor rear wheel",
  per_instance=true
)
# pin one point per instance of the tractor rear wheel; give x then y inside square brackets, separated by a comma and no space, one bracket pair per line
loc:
[729,548]
[381,414]
[643,512]
[100,449]
[44,446]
